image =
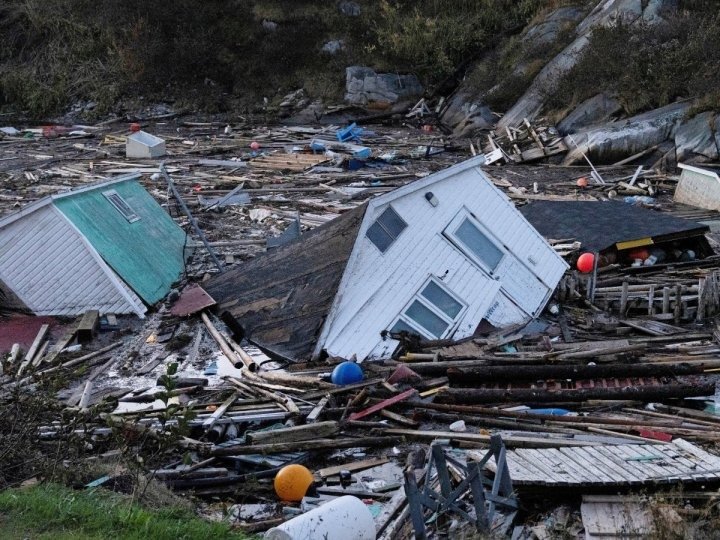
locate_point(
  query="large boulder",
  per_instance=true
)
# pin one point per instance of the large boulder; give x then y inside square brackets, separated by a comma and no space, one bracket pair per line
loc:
[597,109]
[363,86]
[695,139]
[467,114]
[615,141]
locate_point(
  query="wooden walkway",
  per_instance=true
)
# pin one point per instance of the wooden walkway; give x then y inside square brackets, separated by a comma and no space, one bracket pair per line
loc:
[629,464]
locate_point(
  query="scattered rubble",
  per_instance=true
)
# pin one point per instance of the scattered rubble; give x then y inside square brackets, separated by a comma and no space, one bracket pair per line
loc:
[608,389]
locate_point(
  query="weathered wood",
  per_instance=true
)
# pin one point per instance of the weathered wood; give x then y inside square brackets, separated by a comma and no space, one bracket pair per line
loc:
[472,376]
[510,441]
[639,393]
[352,467]
[385,403]
[302,446]
[220,340]
[217,413]
[296,433]
[88,326]
[317,410]
[34,348]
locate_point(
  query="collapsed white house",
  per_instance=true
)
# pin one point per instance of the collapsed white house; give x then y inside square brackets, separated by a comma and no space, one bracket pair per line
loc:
[438,258]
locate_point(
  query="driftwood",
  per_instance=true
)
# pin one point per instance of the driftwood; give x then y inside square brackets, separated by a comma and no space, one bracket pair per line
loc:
[465,377]
[301,446]
[637,393]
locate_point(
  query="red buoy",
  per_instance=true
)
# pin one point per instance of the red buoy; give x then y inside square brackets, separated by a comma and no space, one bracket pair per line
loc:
[585,262]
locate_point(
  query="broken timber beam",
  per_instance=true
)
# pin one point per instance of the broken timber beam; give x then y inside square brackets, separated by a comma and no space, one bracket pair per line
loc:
[634,393]
[302,446]
[465,377]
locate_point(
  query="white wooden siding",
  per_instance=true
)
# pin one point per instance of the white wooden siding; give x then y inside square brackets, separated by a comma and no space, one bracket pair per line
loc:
[45,261]
[376,286]
[698,187]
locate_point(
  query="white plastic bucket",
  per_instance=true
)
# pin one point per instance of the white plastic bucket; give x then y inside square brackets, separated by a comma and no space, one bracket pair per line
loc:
[344,518]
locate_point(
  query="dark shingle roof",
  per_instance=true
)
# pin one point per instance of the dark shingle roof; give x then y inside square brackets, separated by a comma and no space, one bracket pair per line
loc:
[599,225]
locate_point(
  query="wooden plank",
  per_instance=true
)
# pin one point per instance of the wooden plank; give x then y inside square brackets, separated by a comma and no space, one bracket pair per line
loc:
[88,326]
[385,403]
[613,469]
[597,472]
[34,348]
[352,467]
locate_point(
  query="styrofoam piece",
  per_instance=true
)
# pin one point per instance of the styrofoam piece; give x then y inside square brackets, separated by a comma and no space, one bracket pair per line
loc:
[344,518]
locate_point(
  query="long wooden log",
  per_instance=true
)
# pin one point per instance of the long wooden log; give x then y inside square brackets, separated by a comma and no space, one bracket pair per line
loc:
[532,395]
[468,377]
[530,416]
[301,446]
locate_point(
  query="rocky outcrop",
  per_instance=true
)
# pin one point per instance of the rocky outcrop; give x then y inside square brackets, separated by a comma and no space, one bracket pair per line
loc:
[597,109]
[606,13]
[549,29]
[696,138]
[466,115]
[615,141]
[363,86]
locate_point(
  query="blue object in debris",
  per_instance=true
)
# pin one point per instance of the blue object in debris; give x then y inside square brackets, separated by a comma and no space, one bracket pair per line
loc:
[350,133]
[552,412]
[212,369]
[347,373]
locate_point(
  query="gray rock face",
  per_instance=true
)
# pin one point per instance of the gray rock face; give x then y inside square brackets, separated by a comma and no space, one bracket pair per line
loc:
[695,139]
[466,115]
[363,85]
[599,108]
[351,9]
[613,142]
[333,47]
[606,13]
[548,30]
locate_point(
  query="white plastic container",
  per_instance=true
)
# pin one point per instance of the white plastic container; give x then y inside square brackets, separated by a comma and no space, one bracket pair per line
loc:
[344,518]
[144,145]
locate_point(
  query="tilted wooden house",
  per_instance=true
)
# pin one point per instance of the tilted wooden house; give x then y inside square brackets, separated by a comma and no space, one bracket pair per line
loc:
[437,257]
[107,246]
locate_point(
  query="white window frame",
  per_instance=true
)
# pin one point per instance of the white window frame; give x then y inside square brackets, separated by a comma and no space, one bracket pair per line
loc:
[110,195]
[422,331]
[454,225]
[377,221]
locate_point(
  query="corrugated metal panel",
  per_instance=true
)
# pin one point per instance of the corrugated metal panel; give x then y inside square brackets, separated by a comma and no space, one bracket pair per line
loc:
[377,287]
[147,254]
[698,187]
[46,262]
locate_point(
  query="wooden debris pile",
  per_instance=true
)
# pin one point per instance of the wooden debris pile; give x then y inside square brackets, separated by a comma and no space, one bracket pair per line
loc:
[612,388]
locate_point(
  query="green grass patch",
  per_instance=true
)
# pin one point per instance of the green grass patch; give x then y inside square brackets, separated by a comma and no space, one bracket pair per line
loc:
[52,511]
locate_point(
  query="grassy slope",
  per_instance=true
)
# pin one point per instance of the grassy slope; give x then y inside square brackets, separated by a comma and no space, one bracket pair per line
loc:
[52,511]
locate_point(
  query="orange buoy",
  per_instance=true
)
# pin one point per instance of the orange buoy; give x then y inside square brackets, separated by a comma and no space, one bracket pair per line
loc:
[292,482]
[582,182]
[585,262]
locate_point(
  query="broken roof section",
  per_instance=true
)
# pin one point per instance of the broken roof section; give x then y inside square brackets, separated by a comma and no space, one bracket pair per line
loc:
[108,247]
[281,298]
[603,225]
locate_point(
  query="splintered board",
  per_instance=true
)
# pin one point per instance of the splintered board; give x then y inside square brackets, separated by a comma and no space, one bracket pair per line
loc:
[288,162]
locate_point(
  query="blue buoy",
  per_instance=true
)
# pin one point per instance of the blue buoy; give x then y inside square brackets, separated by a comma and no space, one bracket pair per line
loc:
[347,373]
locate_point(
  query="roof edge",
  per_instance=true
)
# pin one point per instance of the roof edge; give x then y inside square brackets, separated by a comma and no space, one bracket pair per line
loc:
[44,201]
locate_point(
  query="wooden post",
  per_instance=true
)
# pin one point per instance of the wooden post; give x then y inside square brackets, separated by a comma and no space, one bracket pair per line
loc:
[700,316]
[678,303]
[624,298]
[651,301]
[220,340]
[666,300]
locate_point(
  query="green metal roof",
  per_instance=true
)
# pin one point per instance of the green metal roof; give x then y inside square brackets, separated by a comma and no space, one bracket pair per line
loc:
[146,253]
